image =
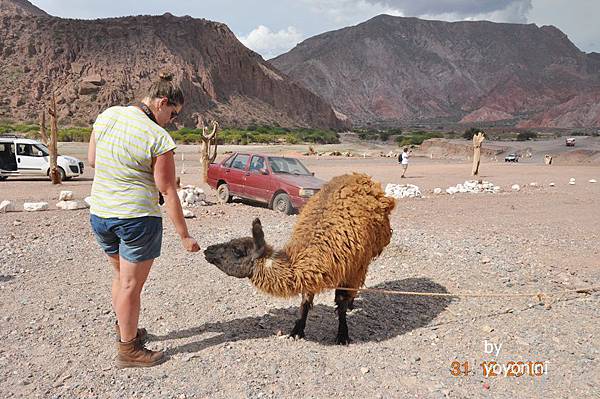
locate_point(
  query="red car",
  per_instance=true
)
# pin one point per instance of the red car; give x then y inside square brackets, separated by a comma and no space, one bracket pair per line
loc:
[281,182]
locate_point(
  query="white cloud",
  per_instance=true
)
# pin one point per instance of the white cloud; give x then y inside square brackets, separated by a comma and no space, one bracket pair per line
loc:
[352,11]
[270,44]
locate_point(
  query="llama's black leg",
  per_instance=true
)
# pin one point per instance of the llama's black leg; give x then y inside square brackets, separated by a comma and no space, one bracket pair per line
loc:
[351,304]
[305,306]
[342,300]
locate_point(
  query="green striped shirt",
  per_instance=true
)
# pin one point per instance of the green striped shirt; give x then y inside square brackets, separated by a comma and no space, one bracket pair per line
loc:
[126,142]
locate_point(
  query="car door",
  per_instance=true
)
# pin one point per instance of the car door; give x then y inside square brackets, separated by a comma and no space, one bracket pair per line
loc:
[8,161]
[30,161]
[235,175]
[258,180]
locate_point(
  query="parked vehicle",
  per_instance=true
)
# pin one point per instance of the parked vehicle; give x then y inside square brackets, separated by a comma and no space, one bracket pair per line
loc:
[283,183]
[511,158]
[570,141]
[23,157]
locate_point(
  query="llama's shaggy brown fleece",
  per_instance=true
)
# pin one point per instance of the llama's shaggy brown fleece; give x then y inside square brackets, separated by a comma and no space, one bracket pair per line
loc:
[339,231]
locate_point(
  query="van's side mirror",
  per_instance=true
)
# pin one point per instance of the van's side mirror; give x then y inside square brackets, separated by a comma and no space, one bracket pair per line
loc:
[40,154]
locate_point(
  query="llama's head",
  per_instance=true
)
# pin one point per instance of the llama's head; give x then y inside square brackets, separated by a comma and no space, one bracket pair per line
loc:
[236,257]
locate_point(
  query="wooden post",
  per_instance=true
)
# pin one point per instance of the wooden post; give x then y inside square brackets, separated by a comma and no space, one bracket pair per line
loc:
[477,140]
[54,174]
[43,134]
[208,147]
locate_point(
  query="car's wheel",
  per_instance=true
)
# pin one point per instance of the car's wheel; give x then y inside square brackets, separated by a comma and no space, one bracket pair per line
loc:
[282,204]
[223,193]
[2,178]
[61,172]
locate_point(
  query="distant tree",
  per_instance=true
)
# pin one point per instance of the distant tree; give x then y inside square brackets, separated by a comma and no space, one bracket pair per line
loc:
[470,132]
[526,135]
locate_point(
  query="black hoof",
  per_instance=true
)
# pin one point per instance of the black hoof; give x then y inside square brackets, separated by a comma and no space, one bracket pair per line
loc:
[342,339]
[297,333]
[351,305]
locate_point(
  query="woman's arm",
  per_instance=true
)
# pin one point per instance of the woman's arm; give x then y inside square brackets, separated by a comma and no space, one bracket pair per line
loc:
[92,150]
[164,176]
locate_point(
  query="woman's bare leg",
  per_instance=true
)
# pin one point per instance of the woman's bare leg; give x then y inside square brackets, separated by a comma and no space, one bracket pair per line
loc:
[116,281]
[132,277]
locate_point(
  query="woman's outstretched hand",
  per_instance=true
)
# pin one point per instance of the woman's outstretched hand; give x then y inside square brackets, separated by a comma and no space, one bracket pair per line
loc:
[190,244]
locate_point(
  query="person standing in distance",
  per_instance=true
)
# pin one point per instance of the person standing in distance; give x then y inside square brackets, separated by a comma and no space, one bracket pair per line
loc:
[133,157]
[404,161]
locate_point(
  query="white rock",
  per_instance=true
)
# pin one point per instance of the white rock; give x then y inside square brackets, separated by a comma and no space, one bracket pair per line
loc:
[552,184]
[7,206]
[516,187]
[534,184]
[35,206]
[188,214]
[68,205]
[473,186]
[65,196]
[191,196]
[592,181]
[88,201]
[402,191]
[437,191]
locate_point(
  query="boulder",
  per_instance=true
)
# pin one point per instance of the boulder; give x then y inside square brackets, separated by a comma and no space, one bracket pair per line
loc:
[35,206]
[68,205]
[474,186]
[94,79]
[7,206]
[188,214]
[65,196]
[402,191]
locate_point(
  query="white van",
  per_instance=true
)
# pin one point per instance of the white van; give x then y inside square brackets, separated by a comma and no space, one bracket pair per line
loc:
[24,157]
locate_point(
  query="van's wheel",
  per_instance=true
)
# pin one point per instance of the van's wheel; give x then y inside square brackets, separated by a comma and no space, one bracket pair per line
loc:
[223,193]
[61,172]
[282,204]
[2,178]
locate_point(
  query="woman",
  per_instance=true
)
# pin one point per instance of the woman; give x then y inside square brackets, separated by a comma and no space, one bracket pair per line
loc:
[133,157]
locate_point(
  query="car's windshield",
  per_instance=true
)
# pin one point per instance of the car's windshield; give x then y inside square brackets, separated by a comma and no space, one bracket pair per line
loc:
[288,165]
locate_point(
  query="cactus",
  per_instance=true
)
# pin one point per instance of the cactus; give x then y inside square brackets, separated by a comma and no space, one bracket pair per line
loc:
[54,174]
[208,147]
[477,140]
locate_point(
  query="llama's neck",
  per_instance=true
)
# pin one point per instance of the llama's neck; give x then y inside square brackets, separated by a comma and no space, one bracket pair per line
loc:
[276,275]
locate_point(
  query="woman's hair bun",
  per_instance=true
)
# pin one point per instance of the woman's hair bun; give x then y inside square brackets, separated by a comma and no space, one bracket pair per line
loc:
[168,76]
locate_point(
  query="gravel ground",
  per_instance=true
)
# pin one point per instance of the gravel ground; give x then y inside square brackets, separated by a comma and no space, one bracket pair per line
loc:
[225,339]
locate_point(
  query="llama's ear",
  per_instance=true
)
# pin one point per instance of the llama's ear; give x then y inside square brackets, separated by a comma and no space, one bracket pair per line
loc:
[258,236]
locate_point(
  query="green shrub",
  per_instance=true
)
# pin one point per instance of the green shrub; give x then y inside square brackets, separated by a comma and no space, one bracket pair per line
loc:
[470,132]
[417,138]
[526,135]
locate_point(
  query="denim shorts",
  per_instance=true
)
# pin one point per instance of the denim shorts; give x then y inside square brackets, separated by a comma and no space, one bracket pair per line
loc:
[135,240]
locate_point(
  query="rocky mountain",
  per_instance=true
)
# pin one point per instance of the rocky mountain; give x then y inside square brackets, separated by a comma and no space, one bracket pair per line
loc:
[399,70]
[91,65]
[20,7]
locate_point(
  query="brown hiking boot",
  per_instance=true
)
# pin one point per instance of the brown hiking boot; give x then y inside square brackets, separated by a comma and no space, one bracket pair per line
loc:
[142,334]
[134,354]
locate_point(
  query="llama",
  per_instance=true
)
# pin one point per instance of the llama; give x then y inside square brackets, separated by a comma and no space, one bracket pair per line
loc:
[339,231]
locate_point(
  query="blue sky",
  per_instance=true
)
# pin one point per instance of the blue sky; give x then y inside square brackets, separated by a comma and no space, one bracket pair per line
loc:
[272,27]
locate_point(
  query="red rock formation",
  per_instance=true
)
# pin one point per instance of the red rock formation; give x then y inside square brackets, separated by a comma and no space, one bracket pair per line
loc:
[400,70]
[95,64]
